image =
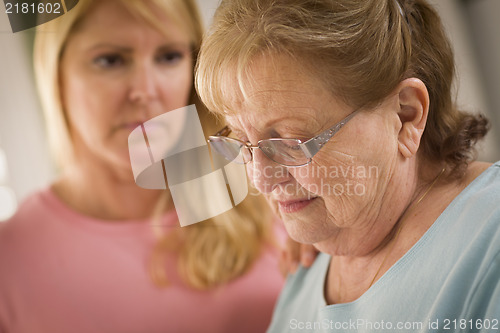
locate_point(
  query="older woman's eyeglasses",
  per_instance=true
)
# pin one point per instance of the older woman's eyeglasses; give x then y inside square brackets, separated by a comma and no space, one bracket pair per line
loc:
[287,152]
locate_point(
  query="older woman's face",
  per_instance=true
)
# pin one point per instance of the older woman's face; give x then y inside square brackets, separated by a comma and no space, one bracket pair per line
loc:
[340,191]
[117,72]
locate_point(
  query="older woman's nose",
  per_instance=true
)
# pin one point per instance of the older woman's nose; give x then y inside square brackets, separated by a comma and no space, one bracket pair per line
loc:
[266,174]
[143,84]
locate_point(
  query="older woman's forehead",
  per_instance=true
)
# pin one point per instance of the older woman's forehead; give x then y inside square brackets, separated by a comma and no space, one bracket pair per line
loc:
[270,80]
[281,105]
[272,100]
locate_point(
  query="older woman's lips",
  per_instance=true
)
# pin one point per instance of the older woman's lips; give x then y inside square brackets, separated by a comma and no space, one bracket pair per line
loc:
[294,206]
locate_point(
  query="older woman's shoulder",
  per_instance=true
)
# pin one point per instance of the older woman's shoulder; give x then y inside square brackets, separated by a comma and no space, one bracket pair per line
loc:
[477,177]
[483,179]
[475,169]
[485,173]
[479,202]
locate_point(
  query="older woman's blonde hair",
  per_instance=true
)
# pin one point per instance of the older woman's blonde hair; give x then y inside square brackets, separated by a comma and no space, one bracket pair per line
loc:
[359,50]
[209,253]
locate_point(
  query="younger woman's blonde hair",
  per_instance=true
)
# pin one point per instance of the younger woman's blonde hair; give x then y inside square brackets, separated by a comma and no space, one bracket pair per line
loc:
[209,253]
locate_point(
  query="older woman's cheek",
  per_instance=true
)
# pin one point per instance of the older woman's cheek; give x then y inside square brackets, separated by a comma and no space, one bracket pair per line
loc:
[257,178]
[326,174]
[347,187]
[273,204]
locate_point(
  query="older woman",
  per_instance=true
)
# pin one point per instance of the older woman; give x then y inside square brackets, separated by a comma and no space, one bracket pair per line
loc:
[343,112]
[82,255]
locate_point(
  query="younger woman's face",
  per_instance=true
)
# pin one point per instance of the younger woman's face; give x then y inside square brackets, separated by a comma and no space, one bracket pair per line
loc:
[118,71]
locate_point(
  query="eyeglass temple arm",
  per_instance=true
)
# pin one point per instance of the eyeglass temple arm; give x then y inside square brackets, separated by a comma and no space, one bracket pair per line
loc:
[313,145]
[223,132]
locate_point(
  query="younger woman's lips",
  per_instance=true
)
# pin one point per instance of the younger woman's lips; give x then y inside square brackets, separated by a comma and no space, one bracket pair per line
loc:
[294,206]
[131,126]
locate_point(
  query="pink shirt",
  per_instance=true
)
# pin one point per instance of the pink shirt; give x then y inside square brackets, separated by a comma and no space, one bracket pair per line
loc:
[62,272]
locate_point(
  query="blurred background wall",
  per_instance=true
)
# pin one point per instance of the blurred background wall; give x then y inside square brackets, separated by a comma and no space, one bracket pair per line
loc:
[25,163]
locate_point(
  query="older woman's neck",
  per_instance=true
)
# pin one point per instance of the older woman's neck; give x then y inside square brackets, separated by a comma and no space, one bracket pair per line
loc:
[356,271]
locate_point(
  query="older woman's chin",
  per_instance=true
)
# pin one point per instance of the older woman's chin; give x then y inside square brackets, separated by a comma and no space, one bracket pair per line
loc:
[302,232]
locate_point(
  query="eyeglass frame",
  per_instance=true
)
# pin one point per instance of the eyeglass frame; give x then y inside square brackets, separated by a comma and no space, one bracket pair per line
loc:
[310,147]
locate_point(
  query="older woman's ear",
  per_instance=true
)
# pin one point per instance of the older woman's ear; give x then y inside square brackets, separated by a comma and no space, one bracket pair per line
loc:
[413,111]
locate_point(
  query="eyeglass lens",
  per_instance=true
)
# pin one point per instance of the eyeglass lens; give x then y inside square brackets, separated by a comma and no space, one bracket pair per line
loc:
[283,151]
[231,149]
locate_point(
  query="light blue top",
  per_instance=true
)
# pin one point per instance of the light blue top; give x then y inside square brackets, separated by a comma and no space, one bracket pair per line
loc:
[449,281]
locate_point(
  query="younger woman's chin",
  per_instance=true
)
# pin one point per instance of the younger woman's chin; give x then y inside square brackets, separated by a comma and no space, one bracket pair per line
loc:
[120,166]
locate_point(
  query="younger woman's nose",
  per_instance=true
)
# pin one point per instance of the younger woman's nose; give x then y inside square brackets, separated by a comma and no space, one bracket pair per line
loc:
[143,83]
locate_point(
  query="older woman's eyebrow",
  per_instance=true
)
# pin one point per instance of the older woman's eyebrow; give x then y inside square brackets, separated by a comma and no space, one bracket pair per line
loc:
[303,118]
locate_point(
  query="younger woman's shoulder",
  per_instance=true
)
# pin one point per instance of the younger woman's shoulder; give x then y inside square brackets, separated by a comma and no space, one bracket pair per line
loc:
[32,208]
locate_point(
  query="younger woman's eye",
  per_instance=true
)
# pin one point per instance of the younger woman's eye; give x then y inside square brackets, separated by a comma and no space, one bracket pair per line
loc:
[170,57]
[109,61]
